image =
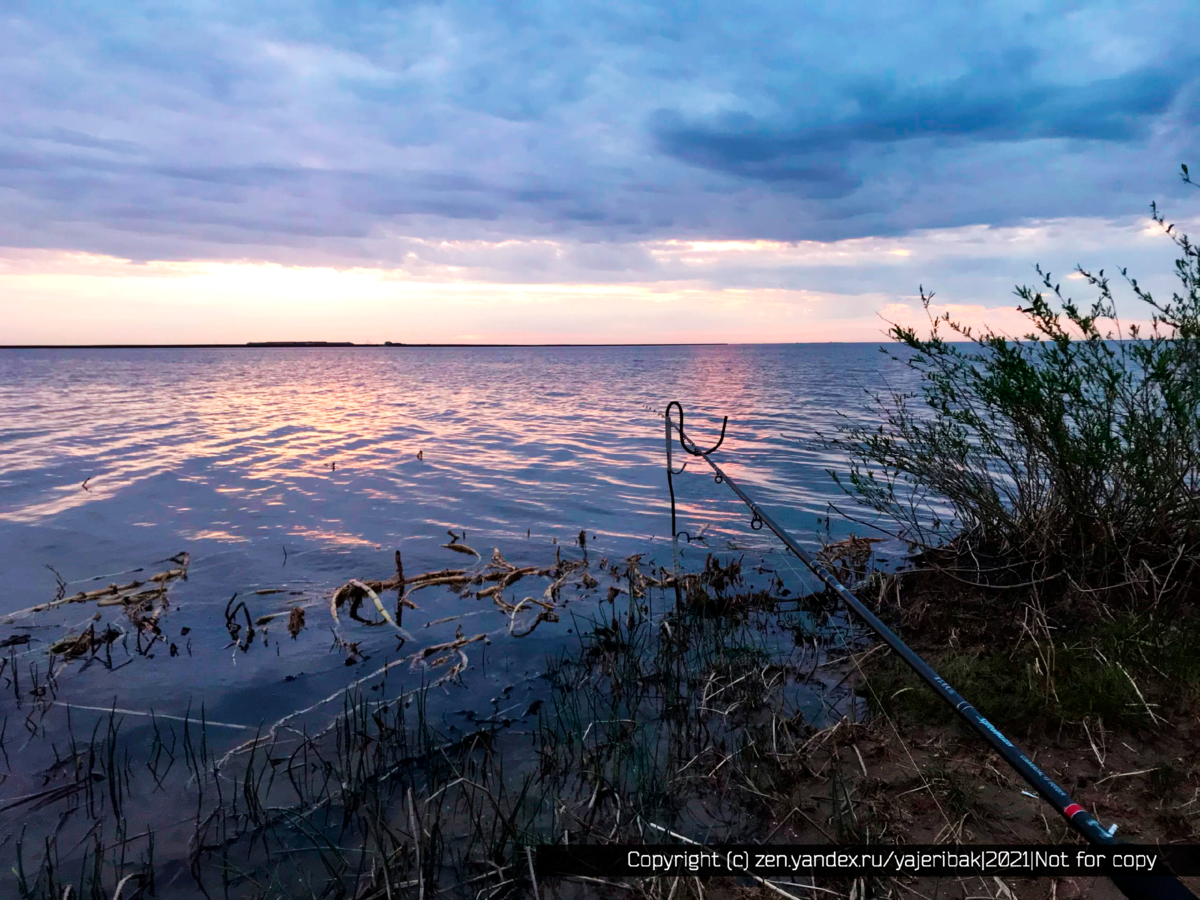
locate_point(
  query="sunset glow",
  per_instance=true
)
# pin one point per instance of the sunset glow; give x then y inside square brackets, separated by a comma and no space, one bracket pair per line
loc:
[472,292]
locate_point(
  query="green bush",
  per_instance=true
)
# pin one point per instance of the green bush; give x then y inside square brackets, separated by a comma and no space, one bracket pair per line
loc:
[1076,447]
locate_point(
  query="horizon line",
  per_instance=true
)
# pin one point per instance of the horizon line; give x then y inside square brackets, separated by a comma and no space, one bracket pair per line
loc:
[344,345]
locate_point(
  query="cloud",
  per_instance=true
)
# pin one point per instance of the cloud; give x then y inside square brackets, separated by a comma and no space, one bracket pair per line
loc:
[984,105]
[198,130]
[550,146]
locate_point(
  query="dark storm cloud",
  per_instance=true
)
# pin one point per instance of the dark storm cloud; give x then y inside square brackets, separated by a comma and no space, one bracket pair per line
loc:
[335,131]
[976,107]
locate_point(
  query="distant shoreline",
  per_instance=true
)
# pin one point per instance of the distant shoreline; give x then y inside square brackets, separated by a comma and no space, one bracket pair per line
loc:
[315,345]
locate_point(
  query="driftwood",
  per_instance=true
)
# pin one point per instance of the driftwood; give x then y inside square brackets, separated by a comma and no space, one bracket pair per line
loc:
[498,574]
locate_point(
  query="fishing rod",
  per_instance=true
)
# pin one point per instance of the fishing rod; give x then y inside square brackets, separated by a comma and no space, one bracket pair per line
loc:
[1142,887]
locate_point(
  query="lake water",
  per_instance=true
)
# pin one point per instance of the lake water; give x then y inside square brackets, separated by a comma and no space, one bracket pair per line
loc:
[294,470]
[299,469]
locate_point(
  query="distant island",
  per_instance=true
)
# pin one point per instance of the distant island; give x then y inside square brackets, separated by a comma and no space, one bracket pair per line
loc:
[302,344]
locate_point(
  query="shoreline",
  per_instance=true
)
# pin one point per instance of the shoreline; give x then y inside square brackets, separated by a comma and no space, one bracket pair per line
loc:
[697,713]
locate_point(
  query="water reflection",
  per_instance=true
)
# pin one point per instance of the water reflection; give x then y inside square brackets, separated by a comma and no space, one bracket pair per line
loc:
[299,469]
[240,445]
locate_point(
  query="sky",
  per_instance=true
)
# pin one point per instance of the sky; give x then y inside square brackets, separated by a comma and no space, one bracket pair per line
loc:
[578,171]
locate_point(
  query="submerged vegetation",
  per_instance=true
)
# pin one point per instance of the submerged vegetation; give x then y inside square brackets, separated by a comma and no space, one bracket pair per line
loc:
[660,717]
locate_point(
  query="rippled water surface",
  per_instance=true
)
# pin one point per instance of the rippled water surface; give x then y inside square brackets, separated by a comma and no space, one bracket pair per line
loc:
[229,452]
[294,470]
[301,465]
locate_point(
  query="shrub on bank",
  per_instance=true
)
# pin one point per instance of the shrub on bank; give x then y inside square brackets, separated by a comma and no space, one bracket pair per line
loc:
[1074,449]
